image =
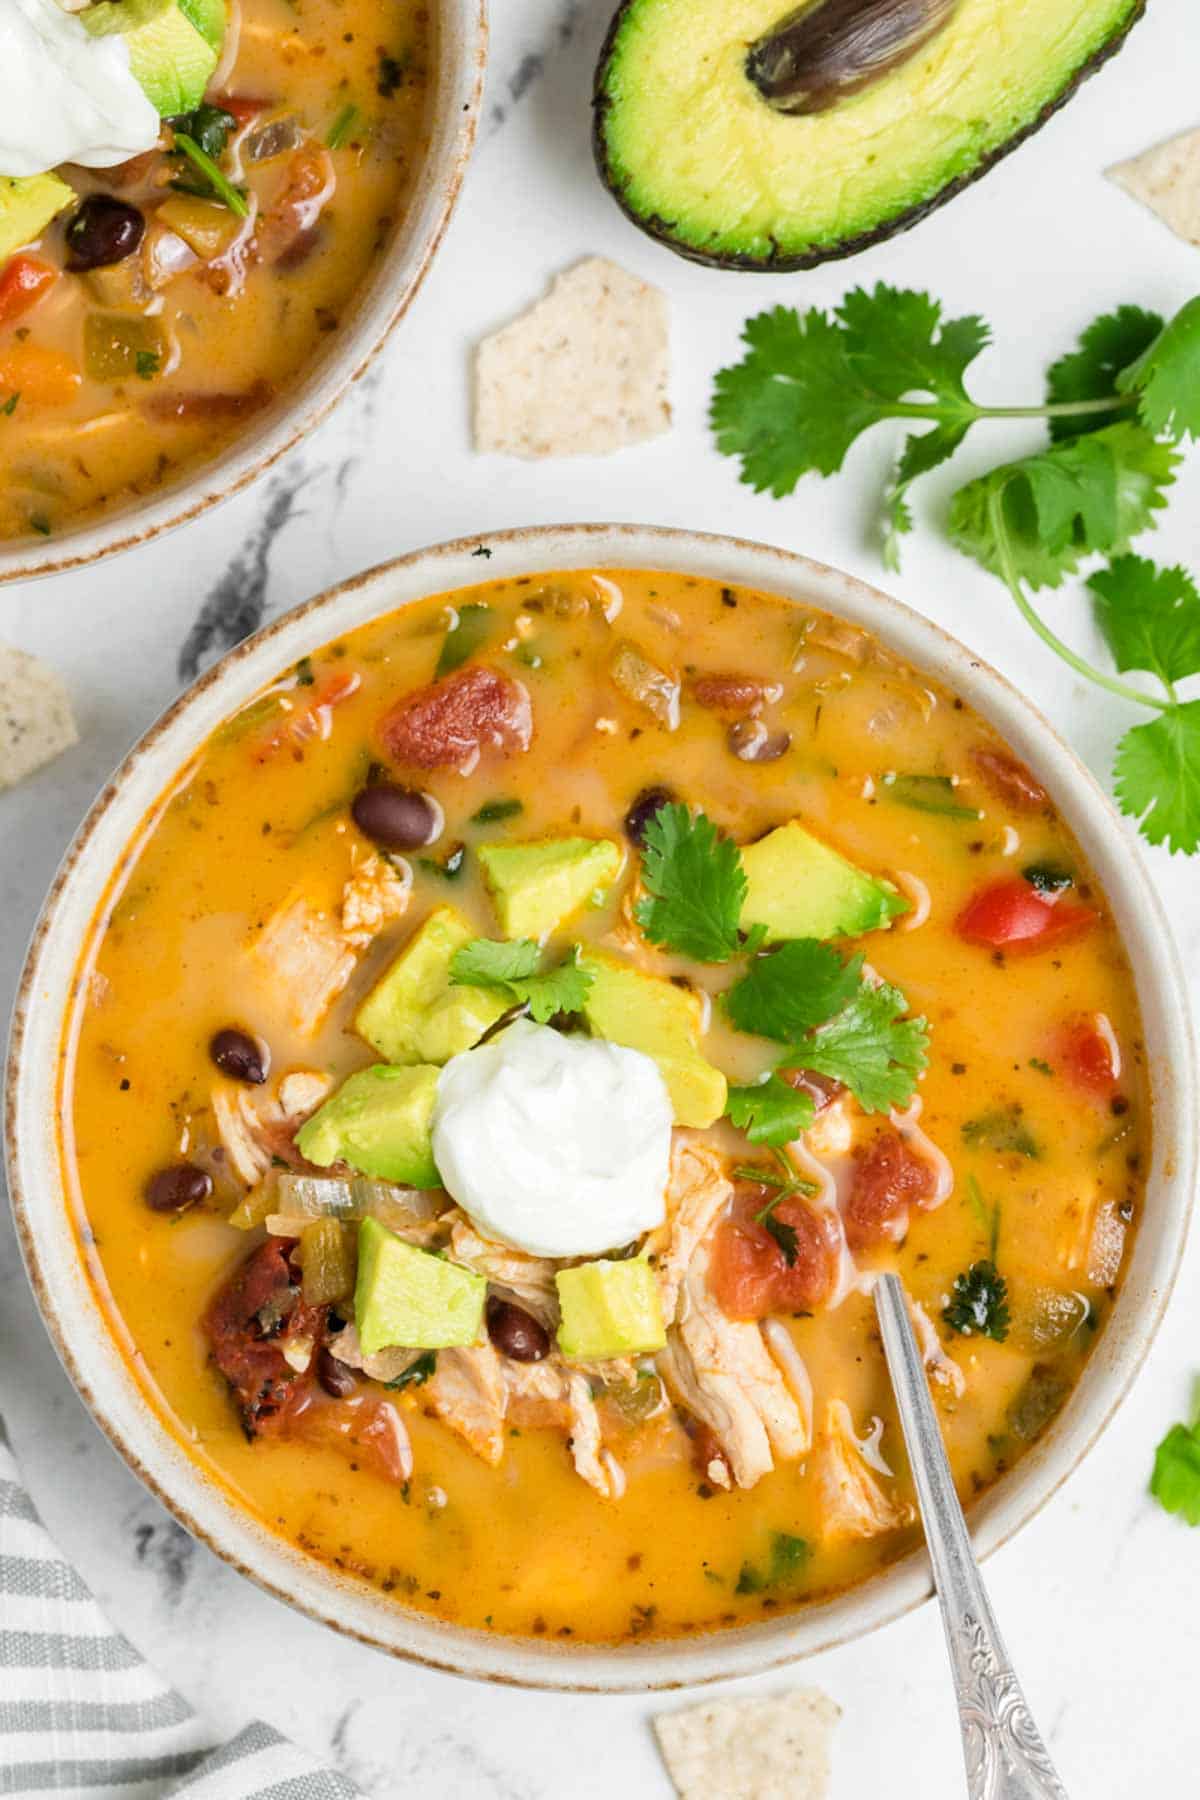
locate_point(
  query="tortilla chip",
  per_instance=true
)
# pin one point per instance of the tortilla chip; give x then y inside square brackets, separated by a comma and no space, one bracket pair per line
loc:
[1167,180]
[582,373]
[36,724]
[771,1749]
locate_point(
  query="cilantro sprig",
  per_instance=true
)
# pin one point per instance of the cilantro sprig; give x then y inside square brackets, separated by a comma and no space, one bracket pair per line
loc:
[783,1183]
[1175,1481]
[695,886]
[834,1021]
[770,1112]
[978,1304]
[1115,407]
[513,968]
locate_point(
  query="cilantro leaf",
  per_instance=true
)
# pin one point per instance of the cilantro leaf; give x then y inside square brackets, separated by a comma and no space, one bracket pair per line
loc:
[1175,1481]
[871,1048]
[417,1373]
[484,963]
[695,883]
[978,1305]
[1109,345]
[922,452]
[1166,377]
[789,990]
[1084,494]
[785,1561]
[770,1112]
[809,386]
[1150,617]
[1158,777]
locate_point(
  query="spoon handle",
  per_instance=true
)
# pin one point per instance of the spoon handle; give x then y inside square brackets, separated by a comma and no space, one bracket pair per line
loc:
[1005,1756]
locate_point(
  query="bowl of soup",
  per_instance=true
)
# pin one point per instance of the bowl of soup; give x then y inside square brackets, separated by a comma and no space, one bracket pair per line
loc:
[209,222]
[490,1033]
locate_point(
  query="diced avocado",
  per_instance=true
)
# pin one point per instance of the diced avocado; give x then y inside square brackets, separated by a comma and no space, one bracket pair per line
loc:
[609,1309]
[798,887]
[646,1013]
[414,1014]
[535,887]
[408,1296]
[27,207]
[171,60]
[208,16]
[759,134]
[380,1122]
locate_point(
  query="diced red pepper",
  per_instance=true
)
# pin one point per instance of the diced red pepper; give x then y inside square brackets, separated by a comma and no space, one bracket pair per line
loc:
[23,281]
[889,1178]
[1086,1048]
[1014,915]
[243,106]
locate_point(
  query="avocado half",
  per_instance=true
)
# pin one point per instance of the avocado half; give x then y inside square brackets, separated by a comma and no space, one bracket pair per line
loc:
[696,153]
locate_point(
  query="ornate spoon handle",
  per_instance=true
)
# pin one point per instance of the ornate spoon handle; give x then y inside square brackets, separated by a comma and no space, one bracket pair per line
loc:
[1005,1756]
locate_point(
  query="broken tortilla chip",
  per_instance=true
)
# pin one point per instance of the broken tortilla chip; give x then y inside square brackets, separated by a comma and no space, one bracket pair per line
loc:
[1167,180]
[582,373]
[36,723]
[751,1749]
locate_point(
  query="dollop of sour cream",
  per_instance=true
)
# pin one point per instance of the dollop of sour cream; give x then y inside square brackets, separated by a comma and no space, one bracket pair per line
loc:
[555,1144]
[66,96]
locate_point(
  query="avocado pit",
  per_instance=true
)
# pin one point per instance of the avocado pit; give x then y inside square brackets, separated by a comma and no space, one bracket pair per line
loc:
[826,50]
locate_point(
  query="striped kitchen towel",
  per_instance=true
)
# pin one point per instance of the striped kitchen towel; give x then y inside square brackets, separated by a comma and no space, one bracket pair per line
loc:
[82,1715]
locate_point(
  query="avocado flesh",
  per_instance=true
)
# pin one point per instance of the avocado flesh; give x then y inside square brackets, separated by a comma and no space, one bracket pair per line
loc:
[409,1297]
[380,1122]
[536,887]
[646,1013]
[169,58]
[798,887]
[27,205]
[414,1013]
[609,1309]
[699,159]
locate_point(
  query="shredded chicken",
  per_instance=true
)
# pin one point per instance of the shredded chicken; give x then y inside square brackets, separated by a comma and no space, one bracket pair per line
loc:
[722,1372]
[382,1365]
[256,1125]
[376,893]
[939,1367]
[467,1391]
[529,1280]
[593,1463]
[697,1190]
[853,1504]
[303,955]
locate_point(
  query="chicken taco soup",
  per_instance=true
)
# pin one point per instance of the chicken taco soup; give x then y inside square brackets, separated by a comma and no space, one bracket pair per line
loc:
[192,194]
[514,1045]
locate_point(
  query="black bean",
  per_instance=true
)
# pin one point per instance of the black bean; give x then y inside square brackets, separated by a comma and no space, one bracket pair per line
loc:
[396,818]
[516,1333]
[174,1189]
[104,230]
[238,1054]
[337,1378]
[750,741]
[643,810]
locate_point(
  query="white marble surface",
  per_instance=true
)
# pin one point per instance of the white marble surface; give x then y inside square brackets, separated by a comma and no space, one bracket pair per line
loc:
[1098,1595]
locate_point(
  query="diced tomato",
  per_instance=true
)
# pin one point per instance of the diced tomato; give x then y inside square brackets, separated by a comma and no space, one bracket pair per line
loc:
[310,719]
[750,1274]
[23,281]
[252,1313]
[1013,915]
[41,376]
[362,1427]
[1086,1048]
[308,186]
[242,106]
[449,723]
[888,1180]
[822,1090]
[1010,779]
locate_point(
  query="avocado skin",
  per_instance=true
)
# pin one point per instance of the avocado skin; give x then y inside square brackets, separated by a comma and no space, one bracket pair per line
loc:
[663,232]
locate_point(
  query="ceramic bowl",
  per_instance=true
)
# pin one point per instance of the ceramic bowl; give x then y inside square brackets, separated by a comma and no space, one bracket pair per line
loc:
[110,1387]
[460,39]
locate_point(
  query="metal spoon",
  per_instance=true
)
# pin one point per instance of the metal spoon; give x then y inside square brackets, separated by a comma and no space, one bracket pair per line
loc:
[1005,1756]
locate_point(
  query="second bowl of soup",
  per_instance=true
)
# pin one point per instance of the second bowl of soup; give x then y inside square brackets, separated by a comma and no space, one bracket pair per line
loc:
[520,1002]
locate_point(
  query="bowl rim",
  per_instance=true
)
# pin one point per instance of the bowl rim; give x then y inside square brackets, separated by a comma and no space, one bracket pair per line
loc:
[105,1379]
[455,105]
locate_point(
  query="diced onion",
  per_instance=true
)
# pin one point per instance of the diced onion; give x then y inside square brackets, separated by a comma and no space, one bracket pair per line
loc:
[303,1198]
[646,684]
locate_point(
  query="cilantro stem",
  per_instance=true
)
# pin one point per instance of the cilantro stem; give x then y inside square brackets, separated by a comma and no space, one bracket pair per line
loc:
[1037,623]
[1059,409]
